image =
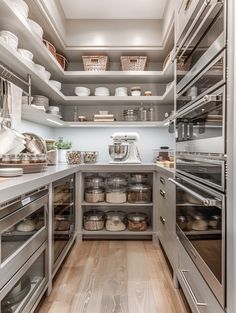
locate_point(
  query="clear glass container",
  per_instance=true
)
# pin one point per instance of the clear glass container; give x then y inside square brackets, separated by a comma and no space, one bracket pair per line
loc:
[15,159]
[163,154]
[6,158]
[42,158]
[199,222]
[215,222]
[94,181]
[137,221]
[139,193]
[62,222]
[94,195]
[94,220]
[115,221]
[25,158]
[90,157]
[138,178]
[33,158]
[116,195]
[116,181]
[74,157]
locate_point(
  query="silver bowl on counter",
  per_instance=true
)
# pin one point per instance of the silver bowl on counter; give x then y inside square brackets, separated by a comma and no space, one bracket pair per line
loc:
[118,152]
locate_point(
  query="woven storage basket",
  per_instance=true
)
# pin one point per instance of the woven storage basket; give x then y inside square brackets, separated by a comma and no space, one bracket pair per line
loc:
[95,63]
[133,63]
[61,60]
[184,65]
[50,47]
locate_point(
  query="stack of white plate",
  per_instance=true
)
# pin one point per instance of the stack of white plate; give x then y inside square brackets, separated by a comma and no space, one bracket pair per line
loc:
[20,7]
[54,110]
[55,84]
[82,91]
[11,172]
[102,91]
[42,72]
[121,92]
[27,56]
[40,102]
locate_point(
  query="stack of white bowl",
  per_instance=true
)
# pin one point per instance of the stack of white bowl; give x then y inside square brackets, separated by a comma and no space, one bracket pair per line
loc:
[54,110]
[121,92]
[82,91]
[27,56]
[21,7]
[102,91]
[10,39]
[42,72]
[55,84]
[36,28]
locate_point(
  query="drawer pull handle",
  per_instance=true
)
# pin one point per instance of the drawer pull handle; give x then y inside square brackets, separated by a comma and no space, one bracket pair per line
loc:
[162,193]
[162,220]
[162,180]
[192,295]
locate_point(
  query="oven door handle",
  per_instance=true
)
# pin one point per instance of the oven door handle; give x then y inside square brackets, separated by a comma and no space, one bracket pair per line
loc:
[201,10]
[205,201]
[217,4]
[194,298]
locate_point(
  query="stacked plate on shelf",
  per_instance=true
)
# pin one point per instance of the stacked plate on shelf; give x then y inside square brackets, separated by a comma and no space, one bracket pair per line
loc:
[102,91]
[11,172]
[40,102]
[21,7]
[55,111]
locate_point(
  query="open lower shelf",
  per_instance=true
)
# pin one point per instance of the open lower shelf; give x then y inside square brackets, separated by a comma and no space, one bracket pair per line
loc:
[124,233]
[203,232]
[126,204]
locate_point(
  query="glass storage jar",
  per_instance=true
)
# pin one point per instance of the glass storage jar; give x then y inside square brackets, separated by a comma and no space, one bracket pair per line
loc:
[139,193]
[33,158]
[94,181]
[94,220]
[90,157]
[41,158]
[62,222]
[138,178]
[116,181]
[115,221]
[199,222]
[15,159]
[6,158]
[94,195]
[137,221]
[163,154]
[117,195]
[74,157]
[25,158]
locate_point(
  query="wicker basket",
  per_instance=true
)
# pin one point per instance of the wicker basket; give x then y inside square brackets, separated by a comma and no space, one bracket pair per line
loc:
[50,47]
[62,60]
[184,64]
[133,63]
[95,63]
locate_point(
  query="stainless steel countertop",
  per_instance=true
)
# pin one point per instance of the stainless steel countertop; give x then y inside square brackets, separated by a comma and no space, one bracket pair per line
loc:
[14,187]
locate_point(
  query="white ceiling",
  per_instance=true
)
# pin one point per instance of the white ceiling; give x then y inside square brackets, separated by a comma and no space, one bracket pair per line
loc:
[113,9]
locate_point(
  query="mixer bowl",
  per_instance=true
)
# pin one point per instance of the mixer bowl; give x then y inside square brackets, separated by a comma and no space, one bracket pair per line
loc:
[118,152]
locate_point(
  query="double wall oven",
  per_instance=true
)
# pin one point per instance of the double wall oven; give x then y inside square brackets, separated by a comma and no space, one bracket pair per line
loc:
[201,151]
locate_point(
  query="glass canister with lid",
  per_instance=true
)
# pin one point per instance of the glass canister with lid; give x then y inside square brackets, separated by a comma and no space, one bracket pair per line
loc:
[116,195]
[115,221]
[138,178]
[116,181]
[94,220]
[137,221]
[139,193]
[94,195]
[94,181]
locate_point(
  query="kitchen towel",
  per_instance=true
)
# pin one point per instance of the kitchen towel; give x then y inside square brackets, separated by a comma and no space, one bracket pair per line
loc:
[16,104]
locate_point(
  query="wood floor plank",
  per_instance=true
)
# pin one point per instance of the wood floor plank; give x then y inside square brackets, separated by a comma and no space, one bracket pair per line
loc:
[114,277]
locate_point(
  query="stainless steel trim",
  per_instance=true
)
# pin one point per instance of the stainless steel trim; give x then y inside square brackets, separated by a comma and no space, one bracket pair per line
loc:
[191,292]
[216,6]
[162,180]
[162,193]
[201,10]
[205,201]
[222,55]
[217,46]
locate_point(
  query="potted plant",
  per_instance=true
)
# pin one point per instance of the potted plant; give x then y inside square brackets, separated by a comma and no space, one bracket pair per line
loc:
[63,147]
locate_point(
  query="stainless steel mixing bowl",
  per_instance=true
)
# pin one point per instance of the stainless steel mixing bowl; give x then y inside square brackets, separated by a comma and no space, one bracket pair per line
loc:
[118,152]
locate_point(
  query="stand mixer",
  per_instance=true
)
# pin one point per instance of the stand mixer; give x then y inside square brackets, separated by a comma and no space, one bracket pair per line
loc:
[124,148]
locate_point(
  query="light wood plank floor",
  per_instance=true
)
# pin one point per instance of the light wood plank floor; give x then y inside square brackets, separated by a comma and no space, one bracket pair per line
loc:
[114,277]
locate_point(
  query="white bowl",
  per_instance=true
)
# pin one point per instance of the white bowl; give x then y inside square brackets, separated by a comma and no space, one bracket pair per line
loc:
[21,7]
[37,29]
[82,91]
[120,94]
[9,38]
[55,84]
[53,109]
[103,112]
[26,54]
[136,93]
[47,75]
[121,90]
[39,68]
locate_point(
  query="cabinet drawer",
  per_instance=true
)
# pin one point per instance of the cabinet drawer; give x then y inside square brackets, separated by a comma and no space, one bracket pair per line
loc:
[197,292]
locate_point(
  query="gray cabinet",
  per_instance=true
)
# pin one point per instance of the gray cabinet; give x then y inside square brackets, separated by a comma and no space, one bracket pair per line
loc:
[197,292]
[166,216]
